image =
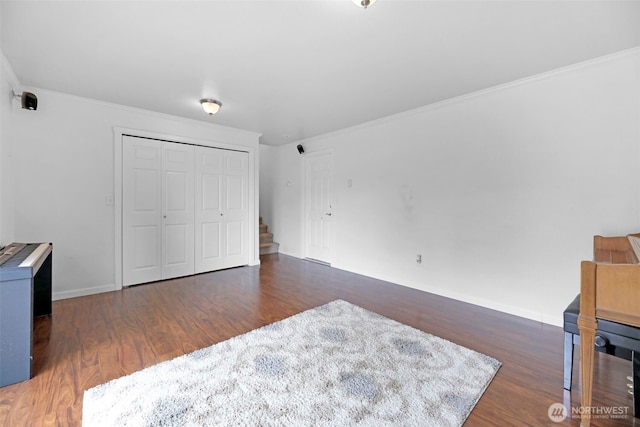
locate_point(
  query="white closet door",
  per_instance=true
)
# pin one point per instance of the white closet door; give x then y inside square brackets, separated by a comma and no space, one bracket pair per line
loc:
[236,211]
[221,209]
[177,210]
[141,211]
[209,212]
[184,209]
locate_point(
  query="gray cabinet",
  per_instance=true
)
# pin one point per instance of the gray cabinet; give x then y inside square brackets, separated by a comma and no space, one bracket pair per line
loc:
[25,292]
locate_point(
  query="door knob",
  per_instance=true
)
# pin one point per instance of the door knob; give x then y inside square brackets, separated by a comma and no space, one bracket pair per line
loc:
[328,214]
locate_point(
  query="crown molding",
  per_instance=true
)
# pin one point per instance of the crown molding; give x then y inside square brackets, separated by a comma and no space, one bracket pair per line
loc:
[440,104]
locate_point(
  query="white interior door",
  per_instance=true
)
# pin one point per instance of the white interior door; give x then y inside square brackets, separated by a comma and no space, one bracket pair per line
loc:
[319,207]
[236,210]
[209,212]
[177,210]
[141,211]
[221,209]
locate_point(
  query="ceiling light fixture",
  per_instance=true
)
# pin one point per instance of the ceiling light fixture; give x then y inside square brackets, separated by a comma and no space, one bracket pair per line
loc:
[210,106]
[364,3]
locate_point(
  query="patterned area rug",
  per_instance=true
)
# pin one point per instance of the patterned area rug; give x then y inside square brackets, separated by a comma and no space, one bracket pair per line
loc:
[334,365]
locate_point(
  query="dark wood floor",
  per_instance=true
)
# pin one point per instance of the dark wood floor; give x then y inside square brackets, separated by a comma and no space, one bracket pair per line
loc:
[90,340]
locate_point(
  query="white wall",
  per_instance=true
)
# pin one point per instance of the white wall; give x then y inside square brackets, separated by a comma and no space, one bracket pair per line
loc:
[267,176]
[8,84]
[500,191]
[64,174]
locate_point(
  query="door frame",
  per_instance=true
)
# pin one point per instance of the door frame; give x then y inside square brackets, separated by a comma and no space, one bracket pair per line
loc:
[253,237]
[305,195]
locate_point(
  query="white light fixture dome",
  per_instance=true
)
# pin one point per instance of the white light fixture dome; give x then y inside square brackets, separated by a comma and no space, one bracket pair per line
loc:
[364,3]
[210,106]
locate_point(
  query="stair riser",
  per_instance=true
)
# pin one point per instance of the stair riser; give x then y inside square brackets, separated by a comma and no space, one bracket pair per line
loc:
[271,249]
[267,245]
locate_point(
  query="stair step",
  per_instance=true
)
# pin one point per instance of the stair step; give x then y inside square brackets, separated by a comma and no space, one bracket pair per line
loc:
[269,248]
[267,245]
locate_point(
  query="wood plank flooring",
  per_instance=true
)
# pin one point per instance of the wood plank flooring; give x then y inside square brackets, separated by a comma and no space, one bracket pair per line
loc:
[93,339]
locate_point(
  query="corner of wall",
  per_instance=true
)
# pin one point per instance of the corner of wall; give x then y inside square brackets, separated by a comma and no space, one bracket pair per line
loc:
[8,83]
[8,73]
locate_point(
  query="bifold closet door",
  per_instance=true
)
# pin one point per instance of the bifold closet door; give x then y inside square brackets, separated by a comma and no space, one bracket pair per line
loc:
[157,210]
[141,211]
[177,209]
[222,214]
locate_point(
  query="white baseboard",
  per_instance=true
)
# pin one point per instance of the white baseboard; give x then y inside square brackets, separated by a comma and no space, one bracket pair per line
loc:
[503,308]
[83,292]
[555,320]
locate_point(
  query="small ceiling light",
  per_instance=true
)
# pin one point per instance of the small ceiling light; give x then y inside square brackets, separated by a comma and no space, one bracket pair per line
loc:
[210,106]
[364,3]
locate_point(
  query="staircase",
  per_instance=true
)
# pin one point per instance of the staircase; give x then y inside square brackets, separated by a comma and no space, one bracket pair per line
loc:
[267,245]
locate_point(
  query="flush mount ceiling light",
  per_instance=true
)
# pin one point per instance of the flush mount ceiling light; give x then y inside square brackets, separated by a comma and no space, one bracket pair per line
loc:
[210,106]
[364,3]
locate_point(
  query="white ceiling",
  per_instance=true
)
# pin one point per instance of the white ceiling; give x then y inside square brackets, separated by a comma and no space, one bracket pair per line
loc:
[296,69]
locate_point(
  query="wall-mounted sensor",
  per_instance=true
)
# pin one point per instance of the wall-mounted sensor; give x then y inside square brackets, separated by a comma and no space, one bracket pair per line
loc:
[300,148]
[28,100]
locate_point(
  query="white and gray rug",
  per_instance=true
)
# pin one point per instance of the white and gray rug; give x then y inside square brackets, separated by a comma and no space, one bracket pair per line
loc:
[334,365]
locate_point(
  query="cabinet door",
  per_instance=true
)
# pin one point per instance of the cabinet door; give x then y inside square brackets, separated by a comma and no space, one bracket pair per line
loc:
[177,210]
[141,211]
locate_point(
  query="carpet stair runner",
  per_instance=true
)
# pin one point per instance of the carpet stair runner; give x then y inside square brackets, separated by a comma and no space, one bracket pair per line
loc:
[267,245]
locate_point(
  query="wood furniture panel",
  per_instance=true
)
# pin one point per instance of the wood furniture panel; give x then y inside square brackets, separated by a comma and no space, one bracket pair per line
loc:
[609,290]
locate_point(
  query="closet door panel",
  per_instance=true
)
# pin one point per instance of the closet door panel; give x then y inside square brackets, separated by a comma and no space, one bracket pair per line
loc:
[145,244]
[236,214]
[209,212]
[235,200]
[178,210]
[211,194]
[176,251]
[141,211]
[211,238]
[234,234]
